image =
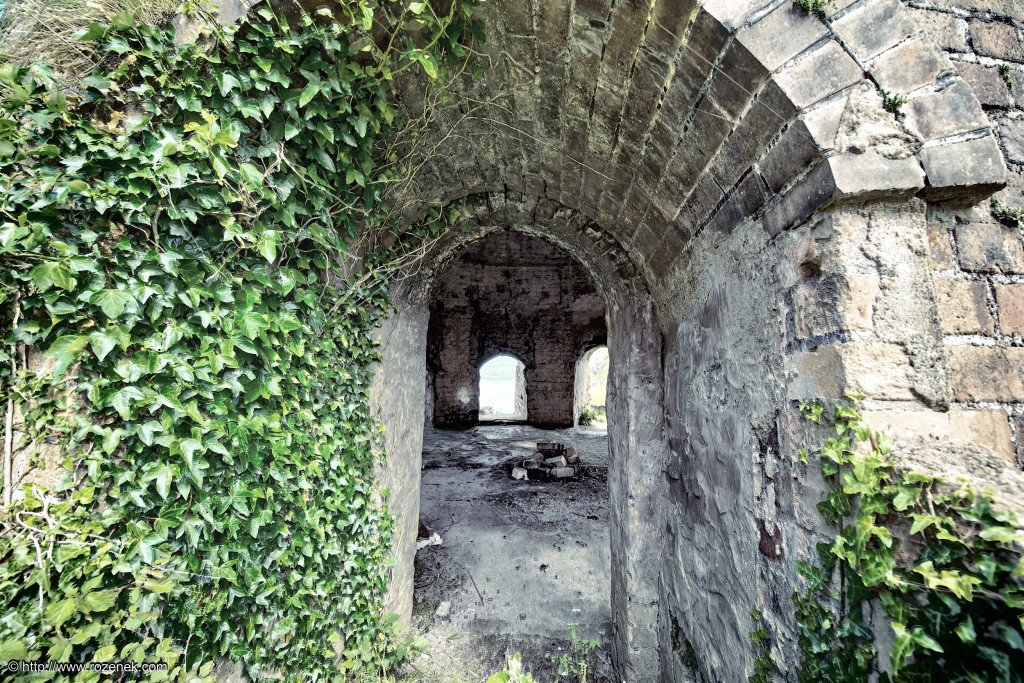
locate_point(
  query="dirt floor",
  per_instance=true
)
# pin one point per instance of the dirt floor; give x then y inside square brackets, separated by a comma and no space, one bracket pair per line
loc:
[519,560]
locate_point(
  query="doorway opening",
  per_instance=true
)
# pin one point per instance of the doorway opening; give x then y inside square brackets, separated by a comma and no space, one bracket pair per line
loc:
[508,556]
[590,401]
[543,292]
[503,389]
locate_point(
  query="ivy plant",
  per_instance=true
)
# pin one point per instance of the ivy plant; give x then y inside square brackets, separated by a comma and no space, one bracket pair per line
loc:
[953,597]
[171,239]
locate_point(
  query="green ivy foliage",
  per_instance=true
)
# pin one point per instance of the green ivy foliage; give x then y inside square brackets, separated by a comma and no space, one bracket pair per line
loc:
[170,238]
[954,597]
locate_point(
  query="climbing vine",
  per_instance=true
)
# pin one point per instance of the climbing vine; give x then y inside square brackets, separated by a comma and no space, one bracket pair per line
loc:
[953,596]
[173,239]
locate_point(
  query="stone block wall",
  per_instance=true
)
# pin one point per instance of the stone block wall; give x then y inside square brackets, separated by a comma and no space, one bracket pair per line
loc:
[511,294]
[978,272]
[978,262]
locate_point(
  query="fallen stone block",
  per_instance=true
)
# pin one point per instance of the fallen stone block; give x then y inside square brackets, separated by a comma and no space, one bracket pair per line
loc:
[559,461]
[519,473]
[434,539]
[563,472]
[572,459]
[533,465]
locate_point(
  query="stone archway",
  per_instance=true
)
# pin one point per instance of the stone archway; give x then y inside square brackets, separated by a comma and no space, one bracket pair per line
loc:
[732,163]
[636,440]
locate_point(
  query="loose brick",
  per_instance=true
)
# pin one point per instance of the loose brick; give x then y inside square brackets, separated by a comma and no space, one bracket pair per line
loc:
[986,427]
[872,175]
[739,74]
[986,83]
[880,371]
[963,307]
[910,66]
[816,309]
[948,31]
[781,35]
[803,199]
[1017,84]
[996,40]
[814,374]
[859,311]
[874,27]
[1018,423]
[967,171]
[1011,135]
[987,373]
[939,246]
[825,72]
[792,153]
[946,112]
[989,248]
[1010,302]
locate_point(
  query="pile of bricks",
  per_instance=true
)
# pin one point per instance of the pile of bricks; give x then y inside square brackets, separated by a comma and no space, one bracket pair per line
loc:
[549,461]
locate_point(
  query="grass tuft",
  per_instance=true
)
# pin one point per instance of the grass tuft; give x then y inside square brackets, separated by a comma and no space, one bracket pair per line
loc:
[44,30]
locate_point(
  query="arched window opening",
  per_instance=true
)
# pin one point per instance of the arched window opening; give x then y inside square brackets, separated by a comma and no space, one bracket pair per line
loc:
[592,387]
[503,389]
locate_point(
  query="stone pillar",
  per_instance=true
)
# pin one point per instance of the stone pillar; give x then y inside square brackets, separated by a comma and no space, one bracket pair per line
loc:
[396,398]
[636,487]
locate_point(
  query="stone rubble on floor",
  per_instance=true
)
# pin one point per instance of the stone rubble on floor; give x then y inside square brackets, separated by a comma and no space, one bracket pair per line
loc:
[550,460]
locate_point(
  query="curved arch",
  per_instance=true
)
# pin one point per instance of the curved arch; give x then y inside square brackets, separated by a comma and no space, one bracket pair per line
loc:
[491,355]
[695,117]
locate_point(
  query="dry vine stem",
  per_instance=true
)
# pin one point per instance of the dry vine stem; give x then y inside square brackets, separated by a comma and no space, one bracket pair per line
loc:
[9,425]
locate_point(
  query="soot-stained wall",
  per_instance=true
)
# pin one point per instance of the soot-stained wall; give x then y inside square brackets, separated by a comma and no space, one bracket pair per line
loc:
[519,295]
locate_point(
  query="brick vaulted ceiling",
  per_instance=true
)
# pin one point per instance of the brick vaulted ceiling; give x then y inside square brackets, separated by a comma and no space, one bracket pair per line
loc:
[662,119]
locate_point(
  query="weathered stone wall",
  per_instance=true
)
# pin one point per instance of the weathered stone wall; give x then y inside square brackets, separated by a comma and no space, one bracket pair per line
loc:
[842,303]
[978,263]
[511,294]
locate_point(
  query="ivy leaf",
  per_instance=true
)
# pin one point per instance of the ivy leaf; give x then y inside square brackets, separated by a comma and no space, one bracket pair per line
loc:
[94,32]
[60,651]
[60,611]
[123,20]
[965,631]
[122,401]
[161,475]
[148,430]
[102,343]
[268,245]
[193,527]
[227,83]
[251,176]
[65,350]
[11,650]
[111,440]
[159,585]
[99,601]
[310,91]
[252,324]
[188,450]
[105,653]
[111,301]
[52,274]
